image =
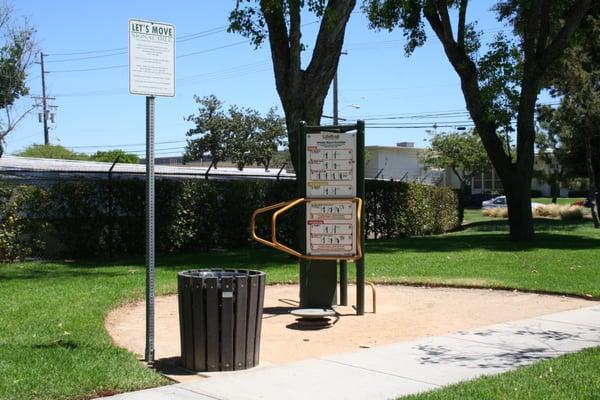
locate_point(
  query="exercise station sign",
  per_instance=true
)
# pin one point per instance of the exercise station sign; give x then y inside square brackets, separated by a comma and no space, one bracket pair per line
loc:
[331,226]
[151,58]
[330,188]
[330,165]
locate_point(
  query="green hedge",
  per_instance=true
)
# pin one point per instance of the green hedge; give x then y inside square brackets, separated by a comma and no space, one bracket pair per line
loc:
[101,217]
[396,209]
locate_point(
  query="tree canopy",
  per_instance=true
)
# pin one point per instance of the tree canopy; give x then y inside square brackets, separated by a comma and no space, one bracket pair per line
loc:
[240,135]
[500,86]
[63,153]
[576,81]
[51,151]
[118,155]
[17,50]
[463,153]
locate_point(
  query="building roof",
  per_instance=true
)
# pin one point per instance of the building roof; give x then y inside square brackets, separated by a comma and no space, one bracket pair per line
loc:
[396,148]
[31,168]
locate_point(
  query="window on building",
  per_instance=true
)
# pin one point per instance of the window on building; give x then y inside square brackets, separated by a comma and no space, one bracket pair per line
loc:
[477,181]
[488,180]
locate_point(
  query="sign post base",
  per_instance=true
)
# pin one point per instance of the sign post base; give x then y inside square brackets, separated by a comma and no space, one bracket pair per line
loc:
[318,283]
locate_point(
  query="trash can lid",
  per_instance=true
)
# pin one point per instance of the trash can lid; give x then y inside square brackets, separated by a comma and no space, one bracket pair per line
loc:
[219,273]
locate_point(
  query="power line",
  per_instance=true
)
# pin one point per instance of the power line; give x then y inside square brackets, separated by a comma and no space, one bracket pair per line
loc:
[123,145]
[126,65]
[88,57]
[418,126]
[88,69]
[213,49]
[228,73]
[183,38]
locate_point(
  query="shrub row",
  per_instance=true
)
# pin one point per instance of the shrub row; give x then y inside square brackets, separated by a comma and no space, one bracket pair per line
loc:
[396,209]
[101,217]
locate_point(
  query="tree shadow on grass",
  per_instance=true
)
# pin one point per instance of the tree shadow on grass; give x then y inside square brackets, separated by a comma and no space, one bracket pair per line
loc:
[493,236]
[262,259]
[42,272]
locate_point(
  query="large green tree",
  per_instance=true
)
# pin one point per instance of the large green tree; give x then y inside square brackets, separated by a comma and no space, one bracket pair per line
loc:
[500,87]
[302,90]
[577,118]
[269,139]
[241,135]
[462,153]
[17,51]
[213,128]
[561,162]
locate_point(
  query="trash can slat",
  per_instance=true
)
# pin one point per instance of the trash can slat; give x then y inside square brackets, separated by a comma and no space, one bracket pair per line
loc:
[188,343]
[199,324]
[212,325]
[261,300]
[240,322]
[252,310]
[182,319]
[227,324]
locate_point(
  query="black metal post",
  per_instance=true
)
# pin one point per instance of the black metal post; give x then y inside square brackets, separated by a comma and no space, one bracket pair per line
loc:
[360,192]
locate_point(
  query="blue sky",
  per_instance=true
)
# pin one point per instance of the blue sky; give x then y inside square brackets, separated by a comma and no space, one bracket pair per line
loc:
[96,112]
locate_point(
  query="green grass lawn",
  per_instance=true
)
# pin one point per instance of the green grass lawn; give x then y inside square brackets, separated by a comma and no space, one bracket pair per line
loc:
[570,377]
[561,201]
[53,344]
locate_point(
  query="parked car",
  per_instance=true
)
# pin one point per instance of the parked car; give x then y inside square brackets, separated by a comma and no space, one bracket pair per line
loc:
[588,202]
[500,202]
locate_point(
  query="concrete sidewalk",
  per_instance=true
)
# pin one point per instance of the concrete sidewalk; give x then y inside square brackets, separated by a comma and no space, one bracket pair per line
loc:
[403,368]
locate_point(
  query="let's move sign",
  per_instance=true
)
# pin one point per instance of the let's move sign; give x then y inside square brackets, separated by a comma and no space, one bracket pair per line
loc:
[151,58]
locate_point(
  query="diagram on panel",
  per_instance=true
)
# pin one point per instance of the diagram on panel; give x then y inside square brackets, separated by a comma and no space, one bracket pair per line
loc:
[331,227]
[331,165]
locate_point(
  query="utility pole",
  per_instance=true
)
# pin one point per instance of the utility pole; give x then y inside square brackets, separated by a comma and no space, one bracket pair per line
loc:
[343,263]
[44,102]
[45,114]
[335,95]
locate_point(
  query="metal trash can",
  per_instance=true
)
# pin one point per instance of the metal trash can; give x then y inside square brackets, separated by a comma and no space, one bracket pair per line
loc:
[220,318]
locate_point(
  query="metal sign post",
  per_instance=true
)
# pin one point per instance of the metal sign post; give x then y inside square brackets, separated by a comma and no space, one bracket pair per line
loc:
[151,73]
[150,259]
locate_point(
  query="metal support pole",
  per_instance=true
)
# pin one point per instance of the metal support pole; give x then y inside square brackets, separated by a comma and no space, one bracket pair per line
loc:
[343,283]
[150,261]
[360,192]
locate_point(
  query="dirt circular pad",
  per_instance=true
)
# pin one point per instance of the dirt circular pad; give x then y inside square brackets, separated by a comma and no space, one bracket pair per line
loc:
[403,313]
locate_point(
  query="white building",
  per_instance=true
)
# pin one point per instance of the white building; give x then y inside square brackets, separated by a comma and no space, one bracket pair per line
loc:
[400,163]
[403,163]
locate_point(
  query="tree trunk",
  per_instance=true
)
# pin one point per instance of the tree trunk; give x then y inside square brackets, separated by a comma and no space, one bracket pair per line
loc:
[594,181]
[297,112]
[520,218]
[554,188]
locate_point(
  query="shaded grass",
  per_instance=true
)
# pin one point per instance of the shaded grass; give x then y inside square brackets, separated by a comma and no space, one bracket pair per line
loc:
[52,339]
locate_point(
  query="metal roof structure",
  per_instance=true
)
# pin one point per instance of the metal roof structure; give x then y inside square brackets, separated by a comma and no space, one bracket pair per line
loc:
[30,170]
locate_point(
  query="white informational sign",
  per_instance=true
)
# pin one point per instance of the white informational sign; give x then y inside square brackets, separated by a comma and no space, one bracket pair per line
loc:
[330,165]
[151,58]
[331,228]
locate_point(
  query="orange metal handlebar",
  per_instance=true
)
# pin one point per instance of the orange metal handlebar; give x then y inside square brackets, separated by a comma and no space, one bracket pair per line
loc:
[285,206]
